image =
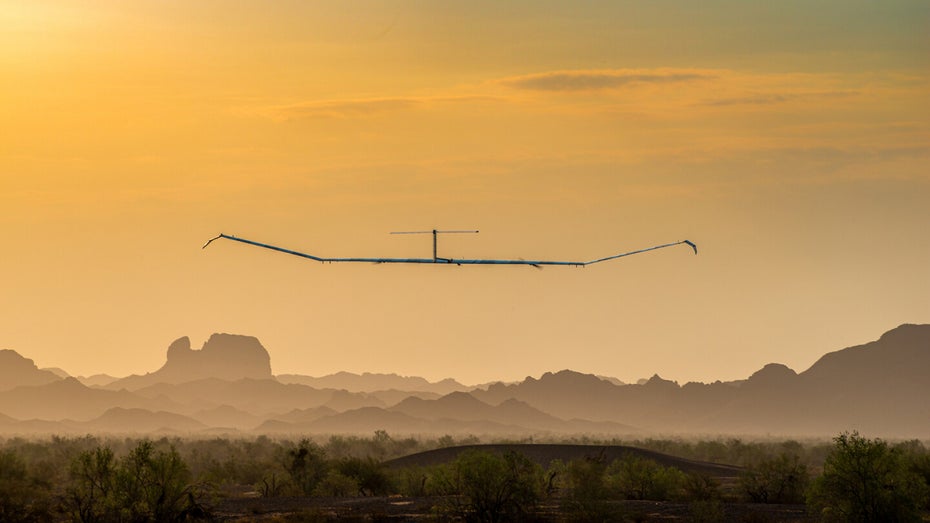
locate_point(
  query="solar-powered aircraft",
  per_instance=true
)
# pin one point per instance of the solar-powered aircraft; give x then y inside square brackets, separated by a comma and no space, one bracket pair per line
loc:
[457,261]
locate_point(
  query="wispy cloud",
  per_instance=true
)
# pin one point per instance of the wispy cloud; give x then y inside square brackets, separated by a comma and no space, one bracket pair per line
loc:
[359,107]
[598,80]
[777,98]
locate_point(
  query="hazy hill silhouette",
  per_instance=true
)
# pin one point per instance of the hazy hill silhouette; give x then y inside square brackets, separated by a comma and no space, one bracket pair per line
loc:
[69,399]
[455,413]
[16,371]
[294,421]
[361,421]
[370,382]
[305,415]
[557,393]
[97,380]
[226,416]
[368,419]
[884,383]
[900,355]
[257,397]
[223,356]
[141,421]
[879,388]
[393,397]
[462,406]
[39,427]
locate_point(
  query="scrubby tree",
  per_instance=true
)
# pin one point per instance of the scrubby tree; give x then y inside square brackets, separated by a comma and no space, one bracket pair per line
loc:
[335,484]
[585,478]
[489,488]
[369,475]
[146,485]
[865,480]
[642,478]
[92,494]
[412,481]
[700,487]
[782,479]
[23,497]
[306,464]
[586,496]
[918,461]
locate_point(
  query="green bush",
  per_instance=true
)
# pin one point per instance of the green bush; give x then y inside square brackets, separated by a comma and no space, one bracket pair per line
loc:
[336,485]
[23,497]
[411,481]
[640,478]
[700,487]
[487,487]
[783,479]
[369,475]
[865,480]
[306,464]
[92,494]
[145,485]
[586,496]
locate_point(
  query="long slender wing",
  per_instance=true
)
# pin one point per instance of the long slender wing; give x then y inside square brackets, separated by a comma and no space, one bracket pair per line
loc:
[537,263]
[320,258]
[615,256]
[456,261]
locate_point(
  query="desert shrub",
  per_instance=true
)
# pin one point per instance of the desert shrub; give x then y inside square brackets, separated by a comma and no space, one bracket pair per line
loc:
[369,475]
[411,481]
[306,464]
[92,495]
[920,466]
[271,486]
[700,487]
[587,497]
[221,461]
[154,485]
[339,446]
[713,451]
[736,451]
[337,485]
[584,479]
[918,461]
[783,479]
[381,446]
[865,480]
[145,485]
[640,478]
[487,487]
[23,496]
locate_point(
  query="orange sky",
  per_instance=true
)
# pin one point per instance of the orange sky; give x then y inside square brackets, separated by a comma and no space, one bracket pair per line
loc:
[791,142]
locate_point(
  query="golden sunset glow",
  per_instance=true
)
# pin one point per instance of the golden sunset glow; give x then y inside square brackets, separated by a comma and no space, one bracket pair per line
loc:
[791,142]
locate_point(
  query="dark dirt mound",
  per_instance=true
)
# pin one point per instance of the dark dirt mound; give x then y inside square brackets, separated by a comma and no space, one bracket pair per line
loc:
[544,454]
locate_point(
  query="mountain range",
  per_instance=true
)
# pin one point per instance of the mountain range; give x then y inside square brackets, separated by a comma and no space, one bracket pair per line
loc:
[878,388]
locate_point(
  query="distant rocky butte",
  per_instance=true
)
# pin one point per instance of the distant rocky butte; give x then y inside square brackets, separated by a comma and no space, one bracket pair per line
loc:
[223,356]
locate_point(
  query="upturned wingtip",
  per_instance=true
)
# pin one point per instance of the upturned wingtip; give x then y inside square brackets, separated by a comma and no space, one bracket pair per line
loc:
[691,244]
[211,241]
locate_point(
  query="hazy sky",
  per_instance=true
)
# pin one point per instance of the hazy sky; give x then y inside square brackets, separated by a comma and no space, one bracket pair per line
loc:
[790,140]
